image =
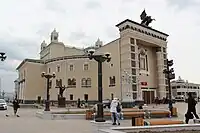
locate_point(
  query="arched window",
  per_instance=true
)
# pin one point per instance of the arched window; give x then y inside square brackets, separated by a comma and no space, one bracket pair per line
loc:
[88,82]
[83,82]
[143,61]
[72,83]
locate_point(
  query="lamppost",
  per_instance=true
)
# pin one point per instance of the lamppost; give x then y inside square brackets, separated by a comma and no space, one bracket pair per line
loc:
[48,77]
[100,59]
[170,75]
[2,56]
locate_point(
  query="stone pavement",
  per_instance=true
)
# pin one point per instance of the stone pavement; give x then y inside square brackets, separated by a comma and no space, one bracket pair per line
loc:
[29,123]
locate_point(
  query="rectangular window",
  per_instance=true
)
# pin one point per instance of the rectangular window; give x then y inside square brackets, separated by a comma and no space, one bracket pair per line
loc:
[58,68]
[164,50]
[133,79]
[86,67]
[164,56]
[133,63]
[134,95]
[71,97]
[165,62]
[71,67]
[132,48]
[112,81]
[86,97]
[133,56]
[132,40]
[49,70]
[158,49]
[146,62]
[134,87]
[142,63]
[133,71]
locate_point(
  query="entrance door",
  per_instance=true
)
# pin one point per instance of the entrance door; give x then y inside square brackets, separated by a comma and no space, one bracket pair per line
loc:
[148,97]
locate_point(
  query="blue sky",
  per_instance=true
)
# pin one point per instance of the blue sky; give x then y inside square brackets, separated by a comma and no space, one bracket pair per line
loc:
[26,23]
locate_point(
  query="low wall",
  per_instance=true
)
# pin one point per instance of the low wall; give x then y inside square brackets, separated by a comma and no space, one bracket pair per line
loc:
[51,116]
[153,129]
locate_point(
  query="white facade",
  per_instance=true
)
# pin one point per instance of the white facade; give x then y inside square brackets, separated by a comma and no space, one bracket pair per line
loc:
[181,88]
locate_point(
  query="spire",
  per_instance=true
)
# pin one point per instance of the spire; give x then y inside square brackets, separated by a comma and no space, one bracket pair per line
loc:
[98,43]
[43,45]
[54,36]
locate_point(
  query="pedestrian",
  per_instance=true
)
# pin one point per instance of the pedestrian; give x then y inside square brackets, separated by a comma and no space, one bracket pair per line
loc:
[119,110]
[191,109]
[113,110]
[16,106]
[79,103]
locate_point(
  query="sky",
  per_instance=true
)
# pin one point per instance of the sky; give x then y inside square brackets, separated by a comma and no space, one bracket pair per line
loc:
[26,23]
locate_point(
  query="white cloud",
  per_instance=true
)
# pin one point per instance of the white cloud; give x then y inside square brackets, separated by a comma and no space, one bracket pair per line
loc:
[25,23]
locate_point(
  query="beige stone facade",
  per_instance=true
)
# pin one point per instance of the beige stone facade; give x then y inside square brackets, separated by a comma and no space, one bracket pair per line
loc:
[134,72]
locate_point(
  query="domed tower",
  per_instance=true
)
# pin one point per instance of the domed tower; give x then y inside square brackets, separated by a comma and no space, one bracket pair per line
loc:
[54,36]
[43,45]
[98,43]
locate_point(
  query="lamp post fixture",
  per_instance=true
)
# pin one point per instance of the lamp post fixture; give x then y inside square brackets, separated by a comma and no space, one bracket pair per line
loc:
[48,77]
[100,59]
[2,56]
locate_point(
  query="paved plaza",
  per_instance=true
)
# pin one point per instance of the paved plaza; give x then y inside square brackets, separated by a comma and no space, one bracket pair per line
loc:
[28,123]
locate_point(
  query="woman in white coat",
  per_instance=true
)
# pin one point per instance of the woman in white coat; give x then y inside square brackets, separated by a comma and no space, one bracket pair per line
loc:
[113,110]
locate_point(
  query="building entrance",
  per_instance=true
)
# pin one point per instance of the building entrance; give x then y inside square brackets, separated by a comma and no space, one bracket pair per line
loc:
[148,96]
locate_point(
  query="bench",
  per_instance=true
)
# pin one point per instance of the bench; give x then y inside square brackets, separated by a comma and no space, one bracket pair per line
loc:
[196,120]
[162,122]
[128,115]
[159,114]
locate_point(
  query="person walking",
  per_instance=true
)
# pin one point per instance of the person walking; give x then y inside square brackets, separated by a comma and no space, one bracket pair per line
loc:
[119,111]
[113,110]
[16,107]
[191,108]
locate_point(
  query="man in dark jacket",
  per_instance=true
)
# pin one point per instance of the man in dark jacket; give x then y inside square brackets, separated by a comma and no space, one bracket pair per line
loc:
[15,107]
[191,108]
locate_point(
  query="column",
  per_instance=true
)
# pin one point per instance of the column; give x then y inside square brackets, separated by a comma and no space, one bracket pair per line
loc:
[161,90]
[139,91]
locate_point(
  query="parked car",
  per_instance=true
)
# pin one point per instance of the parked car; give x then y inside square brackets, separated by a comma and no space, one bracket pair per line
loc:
[3,104]
[106,103]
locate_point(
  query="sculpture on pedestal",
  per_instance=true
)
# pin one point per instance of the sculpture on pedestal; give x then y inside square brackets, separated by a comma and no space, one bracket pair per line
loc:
[146,20]
[61,98]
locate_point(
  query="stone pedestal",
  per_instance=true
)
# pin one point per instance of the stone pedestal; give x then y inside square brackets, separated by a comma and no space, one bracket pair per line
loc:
[101,125]
[61,102]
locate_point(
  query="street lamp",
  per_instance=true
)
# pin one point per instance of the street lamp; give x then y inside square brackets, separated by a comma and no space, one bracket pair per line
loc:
[100,59]
[48,77]
[170,75]
[2,56]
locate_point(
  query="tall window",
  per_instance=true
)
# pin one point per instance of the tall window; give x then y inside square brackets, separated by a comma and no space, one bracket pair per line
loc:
[112,81]
[132,40]
[49,70]
[143,61]
[71,67]
[71,97]
[58,82]
[86,82]
[86,97]
[72,83]
[58,68]
[85,67]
